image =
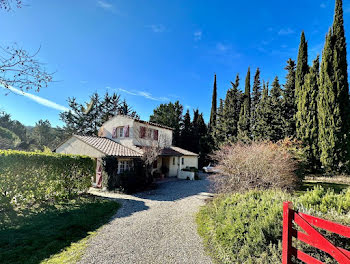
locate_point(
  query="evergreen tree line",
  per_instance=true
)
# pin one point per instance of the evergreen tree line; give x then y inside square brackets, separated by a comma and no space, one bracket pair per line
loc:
[189,133]
[312,106]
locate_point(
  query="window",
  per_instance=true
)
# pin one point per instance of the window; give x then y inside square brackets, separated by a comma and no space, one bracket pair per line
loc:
[182,161]
[120,131]
[124,165]
[173,160]
[142,132]
[155,134]
[114,133]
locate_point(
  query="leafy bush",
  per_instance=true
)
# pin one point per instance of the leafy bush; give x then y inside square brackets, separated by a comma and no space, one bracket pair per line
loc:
[28,178]
[128,181]
[261,165]
[247,228]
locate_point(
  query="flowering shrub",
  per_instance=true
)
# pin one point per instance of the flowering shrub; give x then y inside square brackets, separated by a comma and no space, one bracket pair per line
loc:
[262,165]
[28,178]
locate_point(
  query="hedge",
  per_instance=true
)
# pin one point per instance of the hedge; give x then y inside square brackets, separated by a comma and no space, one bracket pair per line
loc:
[28,178]
[247,227]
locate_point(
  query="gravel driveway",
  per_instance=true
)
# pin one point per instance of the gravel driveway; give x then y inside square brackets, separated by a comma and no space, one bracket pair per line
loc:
[156,226]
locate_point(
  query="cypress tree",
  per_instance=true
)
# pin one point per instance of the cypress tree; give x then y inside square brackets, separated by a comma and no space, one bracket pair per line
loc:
[219,130]
[244,116]
[186,131]
[308,126]
[231,112]
[256,96]
[333,101]
[302,69]
[262,130]
[276,110]
[288,104]
[212,121]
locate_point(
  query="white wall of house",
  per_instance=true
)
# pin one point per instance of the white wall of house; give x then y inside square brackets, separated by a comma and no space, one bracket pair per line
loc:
[165,136]
[173,166]
[189,161]
[78,147]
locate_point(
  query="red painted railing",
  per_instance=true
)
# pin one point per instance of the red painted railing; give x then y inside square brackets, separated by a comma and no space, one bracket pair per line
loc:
[310,236]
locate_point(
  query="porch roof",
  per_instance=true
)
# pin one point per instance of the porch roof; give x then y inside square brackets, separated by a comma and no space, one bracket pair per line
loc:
[176,151]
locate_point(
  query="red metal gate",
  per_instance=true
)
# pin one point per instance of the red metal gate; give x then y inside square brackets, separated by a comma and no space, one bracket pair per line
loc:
[311,236]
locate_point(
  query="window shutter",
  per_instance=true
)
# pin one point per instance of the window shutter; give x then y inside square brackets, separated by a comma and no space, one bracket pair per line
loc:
[142,132]
[114,133]
[155,134]
[126,131]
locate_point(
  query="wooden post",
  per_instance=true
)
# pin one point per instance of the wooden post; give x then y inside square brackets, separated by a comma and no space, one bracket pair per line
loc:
[287,233]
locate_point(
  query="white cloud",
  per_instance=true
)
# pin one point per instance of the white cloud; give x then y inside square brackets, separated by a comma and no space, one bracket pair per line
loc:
[323,5]
[37,99]
[156,28]
[286,31]
[105,5]
[144,94]
[222,47]
[197,35]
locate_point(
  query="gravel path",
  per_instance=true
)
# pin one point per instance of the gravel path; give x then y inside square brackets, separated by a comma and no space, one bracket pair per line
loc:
[156,226]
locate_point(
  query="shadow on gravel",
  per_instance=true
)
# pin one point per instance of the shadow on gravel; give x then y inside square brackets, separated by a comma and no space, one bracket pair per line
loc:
[176,190]
[129,207]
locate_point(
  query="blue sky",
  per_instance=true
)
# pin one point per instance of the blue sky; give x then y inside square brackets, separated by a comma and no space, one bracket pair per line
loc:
[154,51]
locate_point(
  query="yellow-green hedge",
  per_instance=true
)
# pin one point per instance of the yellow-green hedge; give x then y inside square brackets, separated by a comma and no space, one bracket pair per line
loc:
[28,178]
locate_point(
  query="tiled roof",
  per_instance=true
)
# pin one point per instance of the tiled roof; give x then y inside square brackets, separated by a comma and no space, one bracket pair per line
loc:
[176,151]
[108,146]
[184,151]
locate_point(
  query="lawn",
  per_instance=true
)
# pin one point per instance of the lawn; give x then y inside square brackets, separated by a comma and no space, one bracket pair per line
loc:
[57,234]
[337,184]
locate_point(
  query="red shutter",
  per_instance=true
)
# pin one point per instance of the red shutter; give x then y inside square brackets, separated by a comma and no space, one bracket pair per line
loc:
[155,135]
[114,133]
[142,132]
[126,131]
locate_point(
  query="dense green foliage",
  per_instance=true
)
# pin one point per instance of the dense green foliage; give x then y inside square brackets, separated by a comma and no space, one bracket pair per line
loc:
[307,118]
[213,112]
[39,235]
[29,178]
[8,139]
[39,137]
[247,228]
[244,115]
[256,97]
[86,119]
[333,100]
[288,103]
[128,181]
[170,115]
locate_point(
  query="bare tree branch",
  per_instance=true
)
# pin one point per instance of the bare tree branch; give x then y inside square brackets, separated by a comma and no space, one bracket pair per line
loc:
[10,4]
[21,69]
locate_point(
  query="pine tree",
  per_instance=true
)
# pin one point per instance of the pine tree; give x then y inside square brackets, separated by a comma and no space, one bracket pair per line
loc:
[289,104]
[276,110]
[302,69]
[262,130]
[244,116]
[308,126]
[333,102]
[256,96]
[212,121]
[231,111]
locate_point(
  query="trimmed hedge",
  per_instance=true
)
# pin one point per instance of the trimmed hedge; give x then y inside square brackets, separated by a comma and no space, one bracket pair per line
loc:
[28,178]
[247,228]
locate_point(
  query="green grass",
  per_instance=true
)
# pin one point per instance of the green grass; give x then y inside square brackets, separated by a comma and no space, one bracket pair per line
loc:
[57,234]
[310,184]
